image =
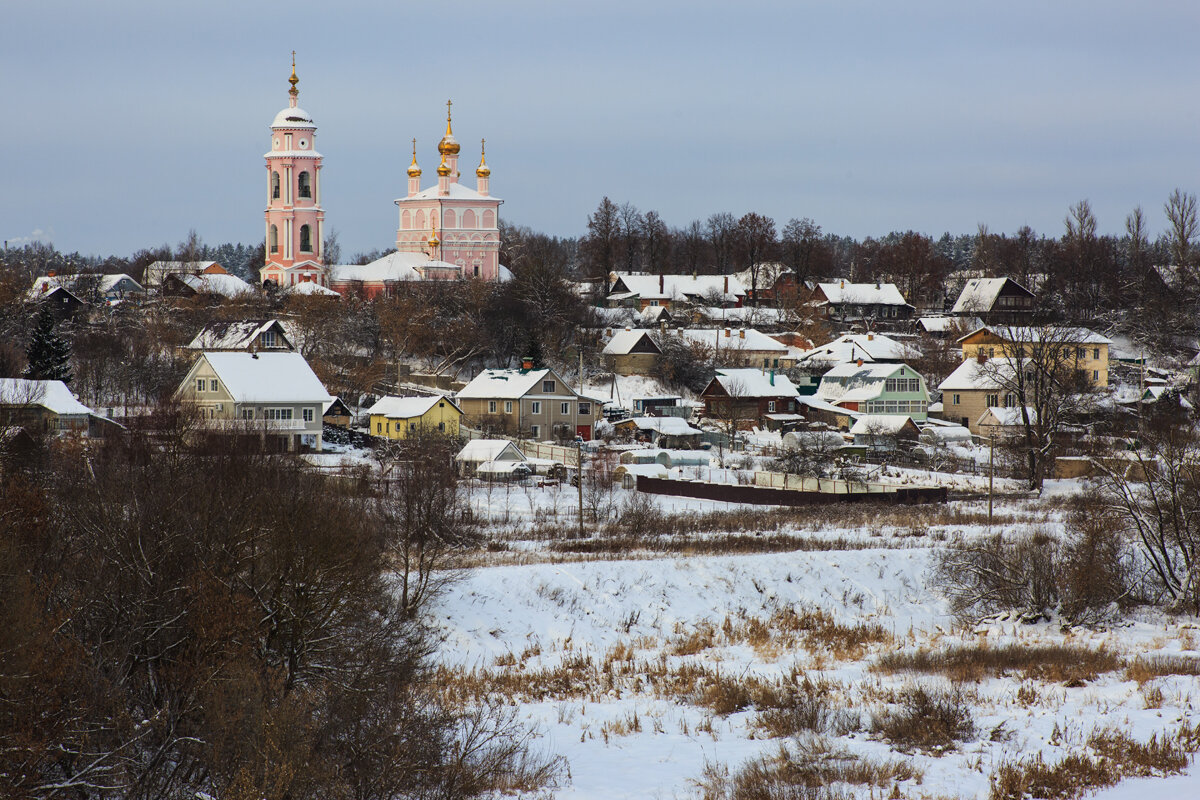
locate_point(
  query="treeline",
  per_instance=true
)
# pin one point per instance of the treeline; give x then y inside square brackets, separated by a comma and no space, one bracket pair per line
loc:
[183,618]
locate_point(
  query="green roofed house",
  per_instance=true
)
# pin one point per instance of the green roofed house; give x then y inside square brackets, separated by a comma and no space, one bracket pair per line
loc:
[876,389]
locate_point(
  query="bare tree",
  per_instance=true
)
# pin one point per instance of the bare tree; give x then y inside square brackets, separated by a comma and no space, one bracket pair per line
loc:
[720,229]
[1180,209]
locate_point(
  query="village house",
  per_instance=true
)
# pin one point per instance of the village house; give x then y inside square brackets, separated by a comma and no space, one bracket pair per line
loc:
[260,335]
[849,302]
[868,347]
[975,386]
[39,406]
[995,301]
[88,287]
[157,272]
[672,291]
[1001,424]
[217,285]
[401,417]
[884,431]
[746,396]
[527,402]
[667,432]
[1088,349]
[494,457]
[737,347]
[631,351]
[59,301]
[776,284]
[273,396]
[883,388]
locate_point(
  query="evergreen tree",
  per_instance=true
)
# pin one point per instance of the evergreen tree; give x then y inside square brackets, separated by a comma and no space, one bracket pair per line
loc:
[48,354]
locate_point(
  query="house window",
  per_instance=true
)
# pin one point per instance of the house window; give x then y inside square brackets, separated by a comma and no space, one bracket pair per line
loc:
[534,431]
[308,415]
[565,409]
[268,338]
[547,387]
[277,413]
[508,406]
[585,409]
[412,426]
[247,413]
[379,427]
[993,400]
[535,407]
[770,406]
[1095,374]
[200,384]
[442,427]
[212,385]
[492,406]
[1096,353]
[954,400]
[304,186]
[1010,400]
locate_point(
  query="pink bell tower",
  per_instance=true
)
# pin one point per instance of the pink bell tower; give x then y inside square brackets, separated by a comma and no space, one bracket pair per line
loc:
[295,220]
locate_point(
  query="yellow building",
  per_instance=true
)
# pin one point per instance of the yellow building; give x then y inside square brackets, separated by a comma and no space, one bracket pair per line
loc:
[1087,348]
[400,417]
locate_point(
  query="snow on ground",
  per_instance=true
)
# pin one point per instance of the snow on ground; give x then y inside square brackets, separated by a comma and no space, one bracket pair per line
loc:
[599,636]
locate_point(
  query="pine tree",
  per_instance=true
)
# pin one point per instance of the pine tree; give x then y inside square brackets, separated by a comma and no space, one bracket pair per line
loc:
[48,354]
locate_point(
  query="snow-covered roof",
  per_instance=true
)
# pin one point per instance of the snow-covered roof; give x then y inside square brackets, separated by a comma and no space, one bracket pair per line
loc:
[646,470]
[310,287]
[233,335]
[267,377]
[507,384]
[222,285]
[624,340]
[666,426]
[850,383]
[483,450]
[104,283]
[457,191]
[768,273]
[407,407]
[293,118]
[863,293]
[52,395]
[395,266]
[293,154]
[680,286]
[867,346]
[980,294]
[814,402]
[749,382]
[972,375]
[1054,334]
[880,424]
[733,339]
[1006,417]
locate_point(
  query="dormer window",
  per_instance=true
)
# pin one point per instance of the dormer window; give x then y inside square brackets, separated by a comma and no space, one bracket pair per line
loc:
[304,185]
[268,339]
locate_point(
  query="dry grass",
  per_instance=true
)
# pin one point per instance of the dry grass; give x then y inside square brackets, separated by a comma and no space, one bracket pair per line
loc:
[1111,757]
[1148,668]
[932,721]
[1066,664]
[805,771]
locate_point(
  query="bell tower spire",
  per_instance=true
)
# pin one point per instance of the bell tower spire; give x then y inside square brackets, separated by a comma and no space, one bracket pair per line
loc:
[449,146]
[293,92]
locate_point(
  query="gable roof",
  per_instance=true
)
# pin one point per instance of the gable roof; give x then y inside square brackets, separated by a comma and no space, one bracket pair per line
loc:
[885,294]
[51,395]
[751,382]
[1006,417]
[667,426]
[238,335]
[311,288]
[1060,334]
[408,407]
[974,375]
[623,342]
[679,286]
[980,294]
[867,346]
[506,384]
[266,377]
[484,450]
[221,284]
[883,425]
[733,339]
[850,383]
[105,283]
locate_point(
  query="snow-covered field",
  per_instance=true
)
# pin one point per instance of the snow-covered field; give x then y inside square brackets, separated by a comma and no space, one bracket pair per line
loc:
[627,666]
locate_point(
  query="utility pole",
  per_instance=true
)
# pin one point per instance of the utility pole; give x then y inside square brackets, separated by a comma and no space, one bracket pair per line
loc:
[991,473]
[579,466]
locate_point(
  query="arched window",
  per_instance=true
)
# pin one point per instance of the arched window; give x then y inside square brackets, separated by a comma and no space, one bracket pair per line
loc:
[304,186]
[274,185]
[420,221]
[448,219]
[489,219]
[468,219]
[305,239]
[406,221]
[274,243]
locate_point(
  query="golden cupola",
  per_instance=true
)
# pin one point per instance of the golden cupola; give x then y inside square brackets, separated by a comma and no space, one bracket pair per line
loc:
[434,241]
[414,171]
[443,168]
[448,146]
[483,171]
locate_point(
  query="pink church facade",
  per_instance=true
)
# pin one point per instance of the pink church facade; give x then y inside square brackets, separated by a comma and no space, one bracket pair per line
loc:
[295,221]
[450,222]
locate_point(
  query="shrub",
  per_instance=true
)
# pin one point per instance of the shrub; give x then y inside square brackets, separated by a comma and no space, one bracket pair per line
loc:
[1061,663]
[926,720]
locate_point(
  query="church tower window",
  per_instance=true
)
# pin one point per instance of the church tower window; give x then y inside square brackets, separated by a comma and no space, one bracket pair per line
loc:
[274,239]
[274,185]
[305,186]
[305,239]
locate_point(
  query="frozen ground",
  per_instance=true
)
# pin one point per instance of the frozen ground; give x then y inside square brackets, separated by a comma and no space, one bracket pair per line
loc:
[593,652]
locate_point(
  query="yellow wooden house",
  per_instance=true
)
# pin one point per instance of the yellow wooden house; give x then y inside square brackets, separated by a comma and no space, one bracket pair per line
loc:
[401,417]
[1087,349]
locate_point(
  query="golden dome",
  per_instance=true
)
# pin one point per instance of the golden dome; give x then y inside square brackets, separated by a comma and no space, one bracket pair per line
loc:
[413,170]
[448,146]
[442,169]
[293,80]
[483,170]
[434,241]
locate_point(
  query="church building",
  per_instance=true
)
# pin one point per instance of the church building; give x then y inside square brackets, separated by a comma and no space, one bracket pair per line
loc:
[294,219]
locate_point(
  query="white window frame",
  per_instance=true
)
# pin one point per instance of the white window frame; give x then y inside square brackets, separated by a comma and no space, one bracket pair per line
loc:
[213,385]
[549,387]
[308,415]
[535,407]
[565,409]
[534,431]
[508,406]
[491,406]
[201,383]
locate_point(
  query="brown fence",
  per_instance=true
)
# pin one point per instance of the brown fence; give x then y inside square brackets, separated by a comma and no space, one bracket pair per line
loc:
[763,496]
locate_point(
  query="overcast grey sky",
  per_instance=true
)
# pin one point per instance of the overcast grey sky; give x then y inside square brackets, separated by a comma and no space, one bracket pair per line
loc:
[128,123]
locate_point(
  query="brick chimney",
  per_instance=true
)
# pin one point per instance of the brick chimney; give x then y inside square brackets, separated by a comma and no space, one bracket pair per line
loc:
[726,284]
[870,336]
[742,333]
[526,363]
[859,362]
[661,285]
[727,333]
